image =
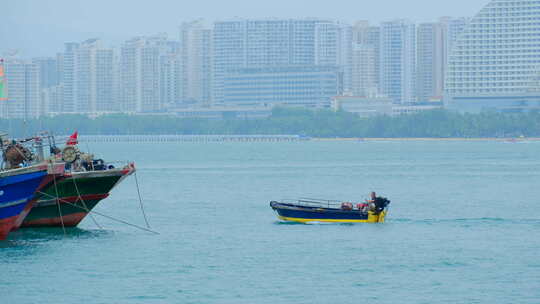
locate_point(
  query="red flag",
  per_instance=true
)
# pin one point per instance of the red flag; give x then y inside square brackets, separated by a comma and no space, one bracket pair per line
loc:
[72,139]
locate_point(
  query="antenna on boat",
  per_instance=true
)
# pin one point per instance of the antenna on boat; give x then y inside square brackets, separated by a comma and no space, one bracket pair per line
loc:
[2,148]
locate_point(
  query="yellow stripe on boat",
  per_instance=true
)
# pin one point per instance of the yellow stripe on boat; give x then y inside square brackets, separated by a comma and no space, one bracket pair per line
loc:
[371,219]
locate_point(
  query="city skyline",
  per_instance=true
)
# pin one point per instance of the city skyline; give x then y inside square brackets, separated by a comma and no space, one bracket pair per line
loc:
[27,24]
[258,63]
[245,62]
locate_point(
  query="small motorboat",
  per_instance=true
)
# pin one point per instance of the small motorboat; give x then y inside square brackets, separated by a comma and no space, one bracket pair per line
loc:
[306,210]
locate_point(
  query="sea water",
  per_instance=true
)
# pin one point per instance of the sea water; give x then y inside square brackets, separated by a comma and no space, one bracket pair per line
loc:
[463,227]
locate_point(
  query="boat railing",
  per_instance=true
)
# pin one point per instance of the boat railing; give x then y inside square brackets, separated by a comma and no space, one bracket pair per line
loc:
[118,163]
[313,202]
[97,165]
[107,165]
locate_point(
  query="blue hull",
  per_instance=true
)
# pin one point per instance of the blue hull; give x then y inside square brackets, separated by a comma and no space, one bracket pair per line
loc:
[306,214]
[314,213]
[16,190]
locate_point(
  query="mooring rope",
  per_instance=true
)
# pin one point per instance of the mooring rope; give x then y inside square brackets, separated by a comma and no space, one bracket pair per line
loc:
[84,203]
[58,204]
[106,216]
[140,200]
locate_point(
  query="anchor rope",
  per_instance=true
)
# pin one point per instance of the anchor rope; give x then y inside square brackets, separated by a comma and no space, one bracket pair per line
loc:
[58,204]
[84,203]
[140,200]
[105,216]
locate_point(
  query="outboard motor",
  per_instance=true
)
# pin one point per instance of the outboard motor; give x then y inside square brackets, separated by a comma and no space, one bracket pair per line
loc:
[380,204]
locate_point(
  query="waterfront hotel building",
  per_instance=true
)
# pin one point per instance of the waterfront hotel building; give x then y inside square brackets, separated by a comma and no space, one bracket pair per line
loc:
[495,63]
[279,61]
[307,86]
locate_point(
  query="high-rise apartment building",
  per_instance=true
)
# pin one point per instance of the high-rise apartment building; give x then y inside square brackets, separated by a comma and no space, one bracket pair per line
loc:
[171,79]
[453,28]
[344,54]
[69,59]
[49,82]
[397,78]
[51,99]
[196,55]
[435,41]
[142,64]
[431,60]
[23,89]
[364,72]
[434,44]
[495,62]
[273,43]
[88,78]
[333,43]
[94,78]
[50,74]
[365,59]
[48,71]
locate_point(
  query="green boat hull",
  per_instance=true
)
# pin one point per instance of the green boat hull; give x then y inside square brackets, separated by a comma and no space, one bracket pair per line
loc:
[68,201]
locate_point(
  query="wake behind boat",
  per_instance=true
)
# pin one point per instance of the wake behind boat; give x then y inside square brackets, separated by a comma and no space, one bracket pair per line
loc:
[332,211]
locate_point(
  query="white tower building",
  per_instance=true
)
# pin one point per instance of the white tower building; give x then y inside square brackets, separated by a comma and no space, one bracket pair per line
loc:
[397,77]
[23,89]
[364,72]
[431,60]
[142,65]
[88,82]
[495,63]
[196,54]
[365,59]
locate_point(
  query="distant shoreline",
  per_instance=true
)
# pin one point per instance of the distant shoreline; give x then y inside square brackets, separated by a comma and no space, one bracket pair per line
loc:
[509,139]
[296,124]
[280,138]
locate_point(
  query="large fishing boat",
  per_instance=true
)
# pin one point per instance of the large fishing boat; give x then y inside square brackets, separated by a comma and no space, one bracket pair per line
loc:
[316,210]
[23,173]
[55,173]
[29,152]
[17,186]
[84,184]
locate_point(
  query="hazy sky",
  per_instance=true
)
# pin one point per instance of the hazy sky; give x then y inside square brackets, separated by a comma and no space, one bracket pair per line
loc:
[40,27]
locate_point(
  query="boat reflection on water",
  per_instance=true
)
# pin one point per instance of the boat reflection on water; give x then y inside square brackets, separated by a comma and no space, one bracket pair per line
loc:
[307,210]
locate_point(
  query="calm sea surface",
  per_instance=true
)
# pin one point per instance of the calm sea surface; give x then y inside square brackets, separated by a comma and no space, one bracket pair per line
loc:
[464,227]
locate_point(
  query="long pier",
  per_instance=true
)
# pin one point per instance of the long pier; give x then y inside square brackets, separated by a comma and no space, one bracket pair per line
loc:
[191,138]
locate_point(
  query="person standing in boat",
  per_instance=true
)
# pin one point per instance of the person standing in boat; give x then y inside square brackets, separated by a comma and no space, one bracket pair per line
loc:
[371,201]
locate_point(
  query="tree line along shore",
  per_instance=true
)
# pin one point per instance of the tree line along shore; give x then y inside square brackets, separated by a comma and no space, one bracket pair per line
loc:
[312,123]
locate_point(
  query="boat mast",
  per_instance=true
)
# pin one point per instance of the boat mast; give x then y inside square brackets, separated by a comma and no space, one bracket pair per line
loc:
[4,93]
